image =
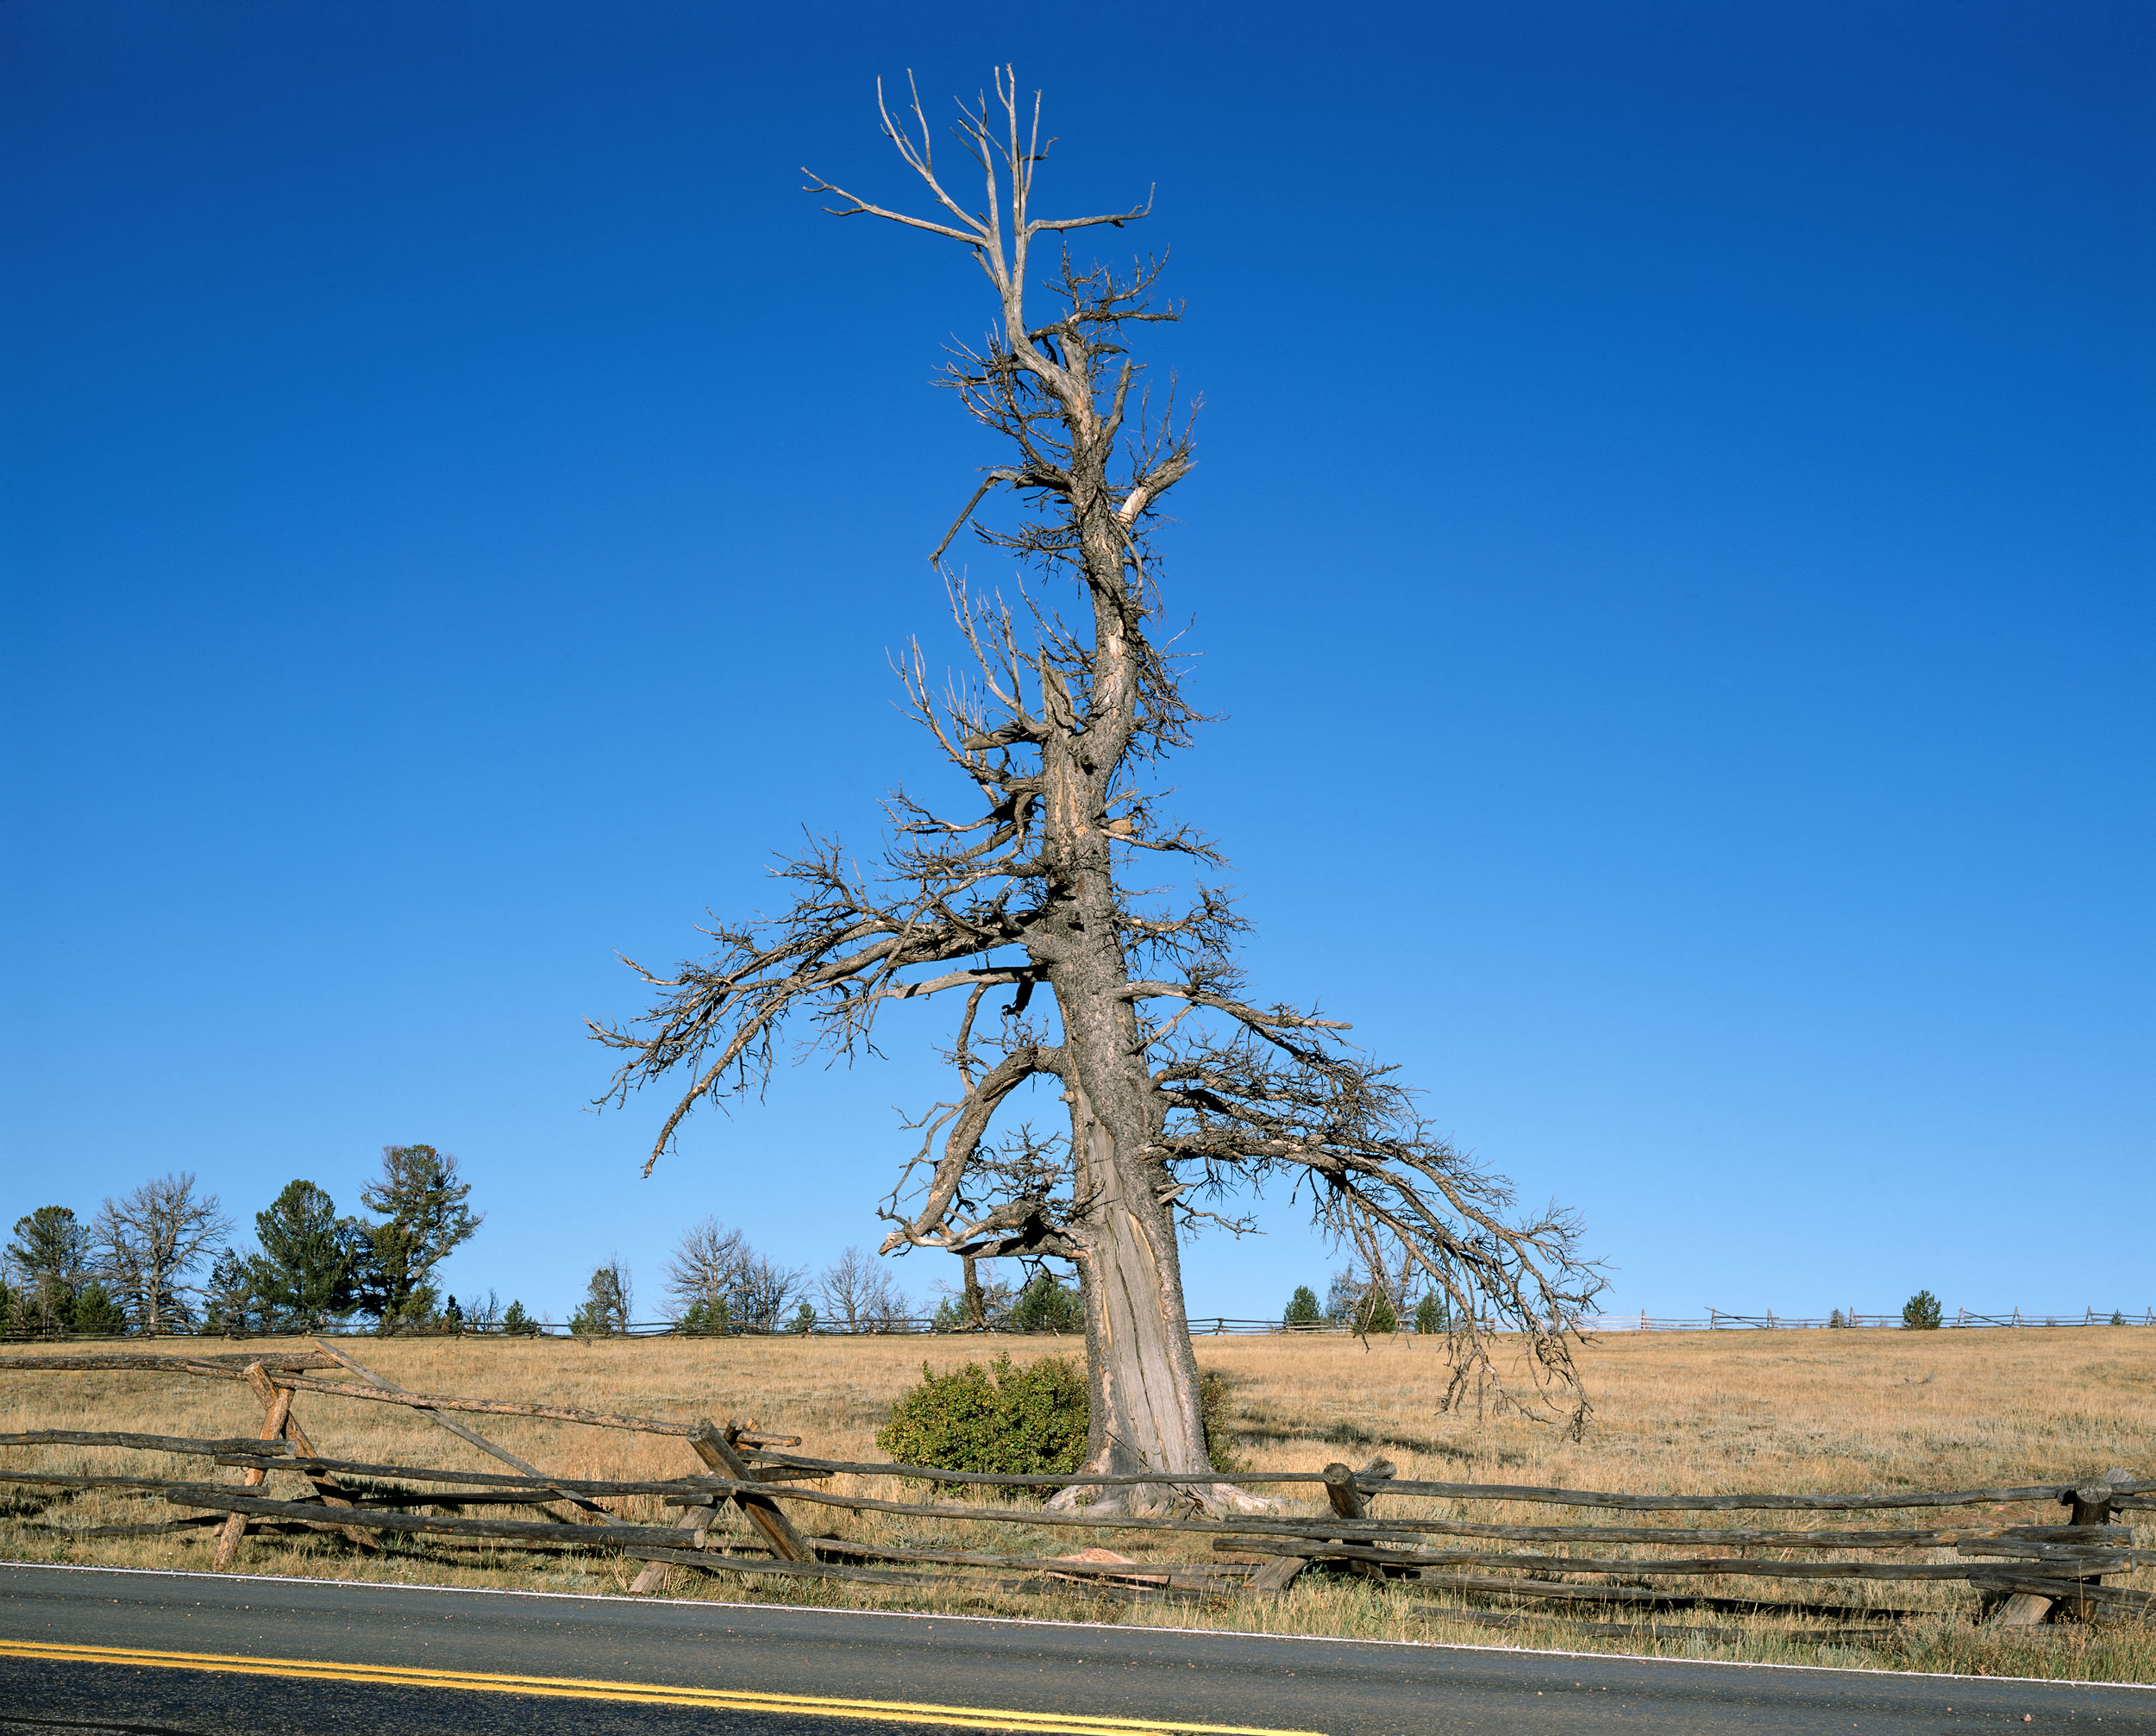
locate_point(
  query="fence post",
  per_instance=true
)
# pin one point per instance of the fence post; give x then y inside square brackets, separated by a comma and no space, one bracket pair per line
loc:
[272,1429]
[716,1451]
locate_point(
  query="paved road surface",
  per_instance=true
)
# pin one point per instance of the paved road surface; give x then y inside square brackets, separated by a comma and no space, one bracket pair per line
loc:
[100,1650]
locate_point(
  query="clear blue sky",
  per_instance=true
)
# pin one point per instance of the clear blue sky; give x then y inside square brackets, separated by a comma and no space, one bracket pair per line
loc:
[1672,551]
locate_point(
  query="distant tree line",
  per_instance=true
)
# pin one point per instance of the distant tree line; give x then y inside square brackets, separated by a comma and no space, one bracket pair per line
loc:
[133,1267]
[717,1283]
[1363,1300]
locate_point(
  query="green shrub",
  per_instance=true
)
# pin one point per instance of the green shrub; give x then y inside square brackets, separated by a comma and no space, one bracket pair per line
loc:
[706,1318]
[1019,1422]
[952,1315]
[517,1324]
[1045,1306]
[95,1312]
[1303,1309]
[1431,1316]
[1922,1312]
[804,1319]
[1374,1314]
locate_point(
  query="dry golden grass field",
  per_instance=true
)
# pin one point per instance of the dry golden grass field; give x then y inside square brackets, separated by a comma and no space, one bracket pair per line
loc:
[1695,1412]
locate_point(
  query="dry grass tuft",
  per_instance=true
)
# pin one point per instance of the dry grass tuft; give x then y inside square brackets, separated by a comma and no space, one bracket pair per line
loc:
[1697,1413]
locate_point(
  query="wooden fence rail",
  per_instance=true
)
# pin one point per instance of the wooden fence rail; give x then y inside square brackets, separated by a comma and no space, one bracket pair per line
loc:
[2035,1568]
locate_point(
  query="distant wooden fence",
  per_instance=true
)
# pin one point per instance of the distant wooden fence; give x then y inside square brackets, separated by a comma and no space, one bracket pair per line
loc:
[1202,1325]
[2032,1571]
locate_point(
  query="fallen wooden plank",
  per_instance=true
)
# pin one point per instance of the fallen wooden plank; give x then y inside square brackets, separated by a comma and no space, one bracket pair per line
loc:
[1654,1630]
[1201,1576]
[1277,1574]
[1733,1566]
[709,1561]
[1555,1591]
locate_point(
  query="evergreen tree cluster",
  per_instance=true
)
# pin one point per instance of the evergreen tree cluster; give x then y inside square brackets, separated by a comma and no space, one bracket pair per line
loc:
[132,1268]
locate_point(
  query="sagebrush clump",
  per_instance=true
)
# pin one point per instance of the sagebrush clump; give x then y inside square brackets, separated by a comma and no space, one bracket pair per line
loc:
[1014,1421]
[1000,1418]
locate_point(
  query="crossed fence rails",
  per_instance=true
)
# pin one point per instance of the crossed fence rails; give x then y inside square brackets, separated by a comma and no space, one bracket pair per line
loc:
[733,1519]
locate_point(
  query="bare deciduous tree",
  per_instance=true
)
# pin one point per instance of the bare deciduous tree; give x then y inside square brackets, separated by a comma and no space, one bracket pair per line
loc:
[715,1278]
[859,1296]
[1179,1083]
[149,1239]
[705,1270]
[762,1290]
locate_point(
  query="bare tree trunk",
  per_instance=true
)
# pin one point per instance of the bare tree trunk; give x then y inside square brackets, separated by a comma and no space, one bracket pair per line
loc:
[1141,1379]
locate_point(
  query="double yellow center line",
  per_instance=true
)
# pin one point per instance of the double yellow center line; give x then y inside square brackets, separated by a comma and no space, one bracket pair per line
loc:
[633,1693]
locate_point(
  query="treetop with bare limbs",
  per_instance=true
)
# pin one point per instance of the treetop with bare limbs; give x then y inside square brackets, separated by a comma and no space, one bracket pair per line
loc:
[1182,1087]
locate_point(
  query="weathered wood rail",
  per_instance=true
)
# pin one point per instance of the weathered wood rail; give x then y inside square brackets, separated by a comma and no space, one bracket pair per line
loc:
[747,1478]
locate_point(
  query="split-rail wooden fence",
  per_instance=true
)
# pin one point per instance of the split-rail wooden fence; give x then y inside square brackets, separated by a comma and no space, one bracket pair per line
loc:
[2025,1573]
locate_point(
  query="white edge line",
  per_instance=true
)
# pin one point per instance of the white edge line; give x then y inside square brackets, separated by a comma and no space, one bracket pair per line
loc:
[1038,1621]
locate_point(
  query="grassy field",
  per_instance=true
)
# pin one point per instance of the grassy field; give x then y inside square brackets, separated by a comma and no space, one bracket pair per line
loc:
[1690,1412]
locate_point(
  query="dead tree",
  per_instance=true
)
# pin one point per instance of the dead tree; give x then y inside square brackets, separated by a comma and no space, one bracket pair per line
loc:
[1022,902]
[148,1240]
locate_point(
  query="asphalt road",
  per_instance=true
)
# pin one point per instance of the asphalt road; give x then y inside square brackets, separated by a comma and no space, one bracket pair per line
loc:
[84,1649]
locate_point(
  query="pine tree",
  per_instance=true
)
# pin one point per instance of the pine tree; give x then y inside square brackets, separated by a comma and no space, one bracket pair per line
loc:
[96,1312]
[606,1307]
[425,1221]
[51,1251]
[1044,1306]
[312,1261]
[230,1305]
